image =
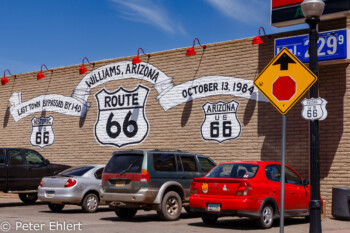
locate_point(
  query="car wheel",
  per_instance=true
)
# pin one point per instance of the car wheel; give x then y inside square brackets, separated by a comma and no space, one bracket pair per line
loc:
[171,206]
[125,213]
[56,207]
[210,219]
[28,197]
[266,219]
[90,203]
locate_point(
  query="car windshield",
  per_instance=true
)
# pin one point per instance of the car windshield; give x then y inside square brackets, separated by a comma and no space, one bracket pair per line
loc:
[125,163]
[244,171]
[75,171]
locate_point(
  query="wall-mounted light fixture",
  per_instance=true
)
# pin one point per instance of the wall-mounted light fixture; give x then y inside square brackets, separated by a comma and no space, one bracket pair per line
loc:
[40,75]
[191,51]
[257,39]
[4,80]
[136,59]
[82,69]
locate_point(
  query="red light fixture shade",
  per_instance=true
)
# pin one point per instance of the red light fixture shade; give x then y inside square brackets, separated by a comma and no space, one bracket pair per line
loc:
[191,51]
[82,69]
[40,75]
[257,39]
[4,80]
[136,59]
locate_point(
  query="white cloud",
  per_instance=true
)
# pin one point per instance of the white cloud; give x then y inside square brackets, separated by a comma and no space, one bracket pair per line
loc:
[146,11]
[247,11]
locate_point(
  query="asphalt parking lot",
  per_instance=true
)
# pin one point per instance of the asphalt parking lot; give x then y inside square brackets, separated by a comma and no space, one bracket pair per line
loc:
[18,217]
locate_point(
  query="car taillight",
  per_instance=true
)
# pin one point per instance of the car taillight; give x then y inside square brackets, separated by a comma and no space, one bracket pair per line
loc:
[70,183]
[244,189]
[41,183]
[145,176]
[194,188]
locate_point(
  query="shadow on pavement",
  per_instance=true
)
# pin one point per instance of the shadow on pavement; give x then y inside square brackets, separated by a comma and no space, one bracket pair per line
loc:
[12,204]
[146,218]
[245,224]
[76,210]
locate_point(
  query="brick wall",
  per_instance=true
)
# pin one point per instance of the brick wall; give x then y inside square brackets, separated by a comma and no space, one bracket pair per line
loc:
[179,127]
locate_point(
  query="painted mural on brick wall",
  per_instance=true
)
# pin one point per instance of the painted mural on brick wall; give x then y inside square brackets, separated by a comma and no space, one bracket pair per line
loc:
[121,116]
[42,132]
[220,121]
[168,97]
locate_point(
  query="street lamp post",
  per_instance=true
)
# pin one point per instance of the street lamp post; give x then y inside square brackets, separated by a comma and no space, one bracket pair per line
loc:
[312,10]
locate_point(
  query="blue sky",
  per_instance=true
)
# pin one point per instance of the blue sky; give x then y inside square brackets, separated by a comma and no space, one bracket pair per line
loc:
[61,32]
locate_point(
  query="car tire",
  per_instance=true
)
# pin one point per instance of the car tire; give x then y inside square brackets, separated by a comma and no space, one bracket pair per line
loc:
[266,219]
[90,203]
[56,207]
[126,213]
[210,219]
[188,210]
[307,218]
[28,197]
[171,206]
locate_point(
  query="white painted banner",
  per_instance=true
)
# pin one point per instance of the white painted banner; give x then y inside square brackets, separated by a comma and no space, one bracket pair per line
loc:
[209,86]
[119,71]
[168,95]
[46,103]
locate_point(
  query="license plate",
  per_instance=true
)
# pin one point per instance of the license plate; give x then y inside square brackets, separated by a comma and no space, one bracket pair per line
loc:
[120,183]
[213,207]
[50,194]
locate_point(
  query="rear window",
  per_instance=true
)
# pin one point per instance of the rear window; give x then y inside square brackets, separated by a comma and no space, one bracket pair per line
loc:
[75,171]
[234,171]
[189,163]
[128,163]
[206,164]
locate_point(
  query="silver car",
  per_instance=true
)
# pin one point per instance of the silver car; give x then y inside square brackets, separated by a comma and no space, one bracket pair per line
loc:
[77,185]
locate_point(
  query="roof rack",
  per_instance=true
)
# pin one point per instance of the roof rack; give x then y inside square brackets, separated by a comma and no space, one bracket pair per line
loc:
[167,149]
[144,149]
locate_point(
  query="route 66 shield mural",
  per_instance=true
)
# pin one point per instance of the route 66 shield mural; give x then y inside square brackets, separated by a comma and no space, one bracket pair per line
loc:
[121,116]
[314,109]
[42,133]
[220,121]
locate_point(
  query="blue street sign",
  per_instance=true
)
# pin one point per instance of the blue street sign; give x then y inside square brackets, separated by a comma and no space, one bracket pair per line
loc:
[331,46]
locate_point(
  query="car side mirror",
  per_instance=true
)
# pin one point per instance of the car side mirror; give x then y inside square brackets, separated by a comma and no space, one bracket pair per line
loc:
[306,182]
[46,162]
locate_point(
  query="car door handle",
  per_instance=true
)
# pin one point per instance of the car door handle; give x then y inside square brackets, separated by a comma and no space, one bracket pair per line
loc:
[292,193]
[184,177]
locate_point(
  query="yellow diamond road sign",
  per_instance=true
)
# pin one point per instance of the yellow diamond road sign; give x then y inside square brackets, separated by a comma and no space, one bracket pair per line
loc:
[284,80]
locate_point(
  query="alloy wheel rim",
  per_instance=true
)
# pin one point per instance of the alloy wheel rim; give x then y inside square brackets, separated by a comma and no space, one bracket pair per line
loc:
[91,203]
[172,206]
[31,196]
[267,216]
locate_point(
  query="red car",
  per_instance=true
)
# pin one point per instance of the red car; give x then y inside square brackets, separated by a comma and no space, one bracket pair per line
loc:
[249,189]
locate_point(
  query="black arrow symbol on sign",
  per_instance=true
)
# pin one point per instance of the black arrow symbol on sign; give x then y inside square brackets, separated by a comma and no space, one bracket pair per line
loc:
[284,60]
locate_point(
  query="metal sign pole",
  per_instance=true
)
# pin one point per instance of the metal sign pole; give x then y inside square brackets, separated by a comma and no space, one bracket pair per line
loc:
[284,124]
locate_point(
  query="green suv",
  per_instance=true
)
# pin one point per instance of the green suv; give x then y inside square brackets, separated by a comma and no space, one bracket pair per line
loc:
[151,180]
